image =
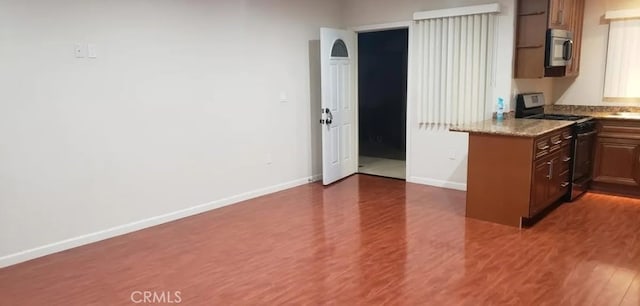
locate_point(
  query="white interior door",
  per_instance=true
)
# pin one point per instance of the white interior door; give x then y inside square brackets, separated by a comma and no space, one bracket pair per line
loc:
[338,69]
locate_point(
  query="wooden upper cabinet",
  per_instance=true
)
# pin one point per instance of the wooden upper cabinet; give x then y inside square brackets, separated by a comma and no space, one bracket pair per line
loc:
[531,39]
[576,27]
[560,12]
[534,18]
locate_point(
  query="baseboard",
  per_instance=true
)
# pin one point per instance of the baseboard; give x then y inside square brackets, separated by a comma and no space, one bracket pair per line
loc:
[315,178]
[55,247]
[437,183]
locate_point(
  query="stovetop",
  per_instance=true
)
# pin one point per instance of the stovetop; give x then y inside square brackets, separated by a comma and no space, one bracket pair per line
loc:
[563,117]
[531,106]
[583,124]
[560,117]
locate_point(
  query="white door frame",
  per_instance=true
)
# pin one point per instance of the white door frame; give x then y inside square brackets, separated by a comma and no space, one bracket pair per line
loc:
[376,28]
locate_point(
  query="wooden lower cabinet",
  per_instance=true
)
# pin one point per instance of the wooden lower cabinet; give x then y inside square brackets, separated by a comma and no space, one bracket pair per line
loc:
[616,166]
[540,186]
[550,180]
[510,178]
[617,162]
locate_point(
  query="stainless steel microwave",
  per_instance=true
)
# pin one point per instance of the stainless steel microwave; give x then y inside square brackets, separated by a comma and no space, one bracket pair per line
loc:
[559,48]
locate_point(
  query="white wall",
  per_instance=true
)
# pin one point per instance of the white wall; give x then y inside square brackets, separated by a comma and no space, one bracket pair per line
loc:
[180,108]
[587,88]
[439,157]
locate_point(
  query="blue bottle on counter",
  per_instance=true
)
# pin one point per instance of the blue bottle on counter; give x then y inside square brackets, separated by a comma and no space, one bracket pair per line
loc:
[500,110]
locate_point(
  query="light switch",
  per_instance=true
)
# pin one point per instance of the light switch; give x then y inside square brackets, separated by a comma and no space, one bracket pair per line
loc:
[453,154]
[283,97]
[79,51]
[92,51]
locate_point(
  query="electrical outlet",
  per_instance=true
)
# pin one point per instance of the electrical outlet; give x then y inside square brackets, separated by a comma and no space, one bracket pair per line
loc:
[79,51]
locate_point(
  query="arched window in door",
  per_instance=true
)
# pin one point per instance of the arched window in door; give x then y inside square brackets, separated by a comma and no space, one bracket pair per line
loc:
[339,49]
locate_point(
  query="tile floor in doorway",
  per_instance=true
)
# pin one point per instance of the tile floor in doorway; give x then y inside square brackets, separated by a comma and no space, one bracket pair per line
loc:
[382,167]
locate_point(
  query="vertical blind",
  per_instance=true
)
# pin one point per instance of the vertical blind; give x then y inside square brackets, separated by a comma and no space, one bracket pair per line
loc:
[622,76]
[453,68]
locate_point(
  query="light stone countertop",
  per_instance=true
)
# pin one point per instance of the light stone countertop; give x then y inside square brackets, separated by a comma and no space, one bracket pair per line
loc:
[597,115]
[599,112]
[513,127]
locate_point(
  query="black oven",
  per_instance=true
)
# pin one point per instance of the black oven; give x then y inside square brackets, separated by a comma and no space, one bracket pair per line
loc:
[583,158]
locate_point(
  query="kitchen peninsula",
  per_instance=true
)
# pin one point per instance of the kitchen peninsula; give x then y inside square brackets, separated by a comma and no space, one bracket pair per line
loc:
[517,168]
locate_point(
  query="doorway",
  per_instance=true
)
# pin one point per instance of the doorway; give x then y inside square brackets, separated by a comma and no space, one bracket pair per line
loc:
[382,102]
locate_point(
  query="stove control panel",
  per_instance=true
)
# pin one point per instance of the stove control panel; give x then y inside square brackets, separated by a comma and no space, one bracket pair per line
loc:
[532,100]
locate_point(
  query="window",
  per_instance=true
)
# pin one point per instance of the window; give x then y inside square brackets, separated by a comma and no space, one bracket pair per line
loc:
[339,49]
[622,76]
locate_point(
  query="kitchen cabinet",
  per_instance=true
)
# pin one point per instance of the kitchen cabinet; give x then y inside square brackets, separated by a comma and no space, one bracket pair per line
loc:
[550,179]
[576,25]
[617,159]
[540,186]
[560,13]
[513,179]
[534,18]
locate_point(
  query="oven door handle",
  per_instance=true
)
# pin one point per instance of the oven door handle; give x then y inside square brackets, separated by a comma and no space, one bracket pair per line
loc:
[587,134]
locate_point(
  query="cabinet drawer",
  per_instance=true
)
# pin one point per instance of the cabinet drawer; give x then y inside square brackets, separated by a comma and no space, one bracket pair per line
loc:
[564,181]
[629,129]
[564,178]
[567,137]
[552,142]
[542,147]
[555,141]
[565,159]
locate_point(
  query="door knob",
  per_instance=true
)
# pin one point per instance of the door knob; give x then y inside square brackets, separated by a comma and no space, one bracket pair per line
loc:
[329,116]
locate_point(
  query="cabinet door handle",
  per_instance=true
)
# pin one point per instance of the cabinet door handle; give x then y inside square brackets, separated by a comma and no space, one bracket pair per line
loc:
[543,148]
[565,184]
[550,163]
[566,159]
[568,137]
[557,142]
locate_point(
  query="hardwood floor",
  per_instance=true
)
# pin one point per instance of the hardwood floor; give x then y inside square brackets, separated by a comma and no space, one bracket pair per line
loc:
[365,240]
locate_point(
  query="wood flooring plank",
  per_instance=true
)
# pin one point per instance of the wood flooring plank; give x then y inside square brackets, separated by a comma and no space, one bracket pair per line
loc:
[632,295]
[615,290]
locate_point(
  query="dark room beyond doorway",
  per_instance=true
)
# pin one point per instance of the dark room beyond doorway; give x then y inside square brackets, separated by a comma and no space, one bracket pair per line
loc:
[382,102]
